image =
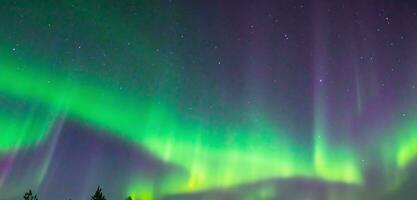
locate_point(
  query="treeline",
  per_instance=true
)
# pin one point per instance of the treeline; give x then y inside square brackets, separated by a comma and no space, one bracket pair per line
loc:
[98,195]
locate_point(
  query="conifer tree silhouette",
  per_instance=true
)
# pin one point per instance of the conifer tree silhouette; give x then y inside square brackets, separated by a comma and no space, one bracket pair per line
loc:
[98,195]
[29,196]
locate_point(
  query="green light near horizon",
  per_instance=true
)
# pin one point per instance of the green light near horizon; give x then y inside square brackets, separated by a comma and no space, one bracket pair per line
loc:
[406,147]
[398,144]
[407,152]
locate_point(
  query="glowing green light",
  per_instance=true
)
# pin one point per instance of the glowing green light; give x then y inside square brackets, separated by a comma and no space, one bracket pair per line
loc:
[214,155]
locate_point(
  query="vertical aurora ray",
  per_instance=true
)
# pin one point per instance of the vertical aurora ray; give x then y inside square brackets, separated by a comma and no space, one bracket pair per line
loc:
[331,163]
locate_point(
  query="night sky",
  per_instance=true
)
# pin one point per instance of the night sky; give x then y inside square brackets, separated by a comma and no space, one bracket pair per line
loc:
[245,100]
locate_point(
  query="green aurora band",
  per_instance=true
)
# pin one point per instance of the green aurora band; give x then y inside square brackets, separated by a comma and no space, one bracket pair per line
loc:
[213,163]
[216,162]
[212,153]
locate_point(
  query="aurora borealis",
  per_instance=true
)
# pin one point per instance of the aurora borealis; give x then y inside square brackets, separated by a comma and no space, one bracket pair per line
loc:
[209,99]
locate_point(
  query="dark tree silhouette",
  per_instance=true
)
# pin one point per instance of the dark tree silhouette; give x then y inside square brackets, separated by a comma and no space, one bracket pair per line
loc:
[98,195]
[30,196]
[129,198]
